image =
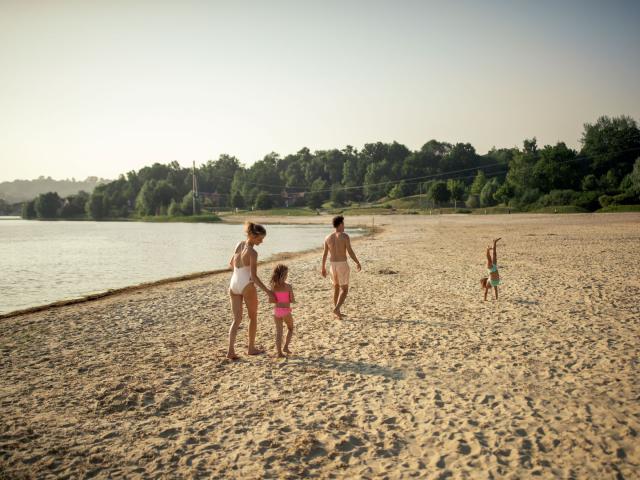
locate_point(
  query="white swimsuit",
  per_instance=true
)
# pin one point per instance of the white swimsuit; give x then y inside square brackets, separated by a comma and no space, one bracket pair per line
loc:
[241,275]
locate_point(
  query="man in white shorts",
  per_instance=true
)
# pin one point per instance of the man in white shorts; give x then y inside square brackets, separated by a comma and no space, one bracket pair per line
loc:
[337,245]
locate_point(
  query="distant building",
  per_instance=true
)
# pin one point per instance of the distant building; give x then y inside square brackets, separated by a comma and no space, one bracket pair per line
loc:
[292,198]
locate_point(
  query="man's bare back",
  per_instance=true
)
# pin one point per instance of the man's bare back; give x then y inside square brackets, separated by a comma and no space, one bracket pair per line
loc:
[337,243]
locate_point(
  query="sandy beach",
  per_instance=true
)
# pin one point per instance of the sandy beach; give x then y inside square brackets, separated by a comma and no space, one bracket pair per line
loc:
[421,379]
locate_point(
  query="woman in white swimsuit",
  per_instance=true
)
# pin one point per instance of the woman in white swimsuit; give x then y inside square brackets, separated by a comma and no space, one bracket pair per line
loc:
[243,281]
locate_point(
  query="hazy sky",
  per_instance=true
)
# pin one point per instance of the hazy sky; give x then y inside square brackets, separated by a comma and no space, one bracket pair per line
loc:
[104,87]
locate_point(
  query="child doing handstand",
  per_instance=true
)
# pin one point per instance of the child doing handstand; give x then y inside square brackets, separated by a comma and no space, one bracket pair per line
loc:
[493,278]
[282,312]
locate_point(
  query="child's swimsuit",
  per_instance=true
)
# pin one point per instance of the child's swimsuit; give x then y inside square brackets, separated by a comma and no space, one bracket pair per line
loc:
[282,297]
[494,282]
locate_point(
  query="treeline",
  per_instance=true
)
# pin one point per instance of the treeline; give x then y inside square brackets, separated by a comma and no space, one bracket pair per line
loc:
[606,171]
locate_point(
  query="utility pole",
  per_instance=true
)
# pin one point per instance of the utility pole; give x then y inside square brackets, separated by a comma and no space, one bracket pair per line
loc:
[194,188]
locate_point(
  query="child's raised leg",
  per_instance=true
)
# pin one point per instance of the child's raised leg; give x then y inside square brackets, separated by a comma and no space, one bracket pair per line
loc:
[289,321]
[279,336]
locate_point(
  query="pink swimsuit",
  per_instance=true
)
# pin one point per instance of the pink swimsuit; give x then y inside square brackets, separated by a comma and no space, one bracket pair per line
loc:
[282,297]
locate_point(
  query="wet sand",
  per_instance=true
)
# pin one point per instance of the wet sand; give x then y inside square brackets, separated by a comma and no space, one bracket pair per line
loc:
[421,379]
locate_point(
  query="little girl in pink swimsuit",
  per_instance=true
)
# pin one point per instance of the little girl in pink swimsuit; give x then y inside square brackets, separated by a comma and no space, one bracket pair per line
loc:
[282,311]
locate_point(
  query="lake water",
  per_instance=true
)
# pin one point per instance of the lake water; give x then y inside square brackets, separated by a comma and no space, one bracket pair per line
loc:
[43,262]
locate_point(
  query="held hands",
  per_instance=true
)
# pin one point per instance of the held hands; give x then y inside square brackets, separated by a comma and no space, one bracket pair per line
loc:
[271,295]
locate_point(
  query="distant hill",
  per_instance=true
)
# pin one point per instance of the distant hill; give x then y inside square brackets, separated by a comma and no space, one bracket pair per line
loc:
[22,190]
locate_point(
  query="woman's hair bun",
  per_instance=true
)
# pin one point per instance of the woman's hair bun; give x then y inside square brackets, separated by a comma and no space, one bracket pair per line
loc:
[254,229]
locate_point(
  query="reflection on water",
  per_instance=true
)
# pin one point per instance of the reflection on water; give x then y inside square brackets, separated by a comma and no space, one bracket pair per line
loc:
[43,262]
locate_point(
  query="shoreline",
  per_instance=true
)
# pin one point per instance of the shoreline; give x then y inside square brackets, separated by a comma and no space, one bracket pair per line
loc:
[181,278]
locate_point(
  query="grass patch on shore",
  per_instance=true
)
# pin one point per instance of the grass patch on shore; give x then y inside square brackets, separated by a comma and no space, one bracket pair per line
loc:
[493,210]
[561,209]
[276,212]
[205,218]
[619,208]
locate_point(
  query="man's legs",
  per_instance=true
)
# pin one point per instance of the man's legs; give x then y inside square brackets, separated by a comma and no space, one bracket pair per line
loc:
[336,294]
[344,290]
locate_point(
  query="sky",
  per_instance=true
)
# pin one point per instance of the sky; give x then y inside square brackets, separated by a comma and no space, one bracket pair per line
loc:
[101,88]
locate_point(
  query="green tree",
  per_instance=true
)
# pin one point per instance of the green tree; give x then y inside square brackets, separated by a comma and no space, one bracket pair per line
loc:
[589,182]
[318,194]
[399,190]
[263,201]
[608,182]
[47,205]
[237,200]
[29,210]
[174,209]
[338,195]
[456,190]
[556,168]
[145,202]
[460,157]
[490,188]
[376,180]
[611,143]
[438,192]
[478,183]
[96,208]
[631,183]
[74,205]
[186,204]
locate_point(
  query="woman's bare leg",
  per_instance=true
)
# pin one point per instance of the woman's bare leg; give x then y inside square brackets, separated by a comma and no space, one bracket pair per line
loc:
[279,329]
[289,321]
[251,301]
[236,309]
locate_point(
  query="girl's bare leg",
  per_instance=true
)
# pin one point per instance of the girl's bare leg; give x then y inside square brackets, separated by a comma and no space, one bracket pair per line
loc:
[236,308]
[251,301]
[489,261]
[495,289]
[495,252]
[279,329]
[289,321]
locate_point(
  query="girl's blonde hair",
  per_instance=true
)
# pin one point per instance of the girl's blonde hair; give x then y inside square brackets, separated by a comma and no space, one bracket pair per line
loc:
[278,275]
[254,229]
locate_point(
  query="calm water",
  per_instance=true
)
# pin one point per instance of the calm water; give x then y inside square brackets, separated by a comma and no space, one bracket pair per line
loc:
[42,262]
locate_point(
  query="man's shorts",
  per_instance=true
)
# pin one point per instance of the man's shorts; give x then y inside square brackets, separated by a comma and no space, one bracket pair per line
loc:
[340,273]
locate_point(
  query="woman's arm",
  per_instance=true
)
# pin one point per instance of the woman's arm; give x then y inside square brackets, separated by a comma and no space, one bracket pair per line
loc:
[234,254]
[254,275]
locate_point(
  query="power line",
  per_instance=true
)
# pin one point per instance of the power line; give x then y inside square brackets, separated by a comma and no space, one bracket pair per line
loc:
[448,175]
